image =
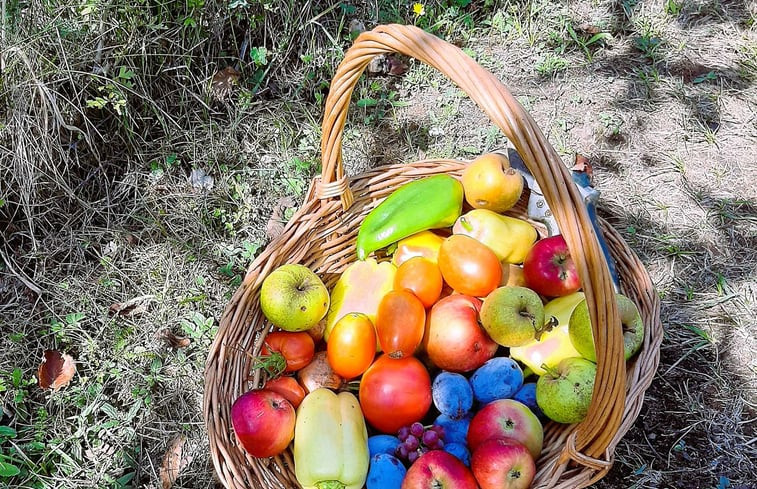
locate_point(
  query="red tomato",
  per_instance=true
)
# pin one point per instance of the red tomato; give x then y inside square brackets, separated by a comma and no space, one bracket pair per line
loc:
[352,345]
[288,387]
[296,348]
[400,323]
[422,277]
[469,266]
[395,393]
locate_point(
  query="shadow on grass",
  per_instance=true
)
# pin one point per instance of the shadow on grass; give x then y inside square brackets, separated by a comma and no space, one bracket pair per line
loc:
[694,427]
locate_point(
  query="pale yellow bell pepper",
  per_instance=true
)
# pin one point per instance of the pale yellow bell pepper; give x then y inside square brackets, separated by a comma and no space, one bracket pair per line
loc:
[330,442]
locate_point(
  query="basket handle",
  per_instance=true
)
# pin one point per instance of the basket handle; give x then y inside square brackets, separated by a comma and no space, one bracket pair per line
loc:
[594,435]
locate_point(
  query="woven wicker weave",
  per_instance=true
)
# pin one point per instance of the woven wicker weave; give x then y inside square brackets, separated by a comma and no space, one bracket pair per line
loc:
[322,233]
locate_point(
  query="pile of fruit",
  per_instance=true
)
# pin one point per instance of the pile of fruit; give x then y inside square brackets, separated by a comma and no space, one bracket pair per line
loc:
[461,333]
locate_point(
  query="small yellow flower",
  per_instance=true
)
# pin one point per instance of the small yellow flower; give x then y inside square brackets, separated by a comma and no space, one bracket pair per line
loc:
[418,9]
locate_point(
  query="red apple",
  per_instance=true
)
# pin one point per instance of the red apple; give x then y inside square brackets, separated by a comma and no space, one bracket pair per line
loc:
[438,469]
[506,418]
[454,340]
[549,269]
[263,422]
[503,464]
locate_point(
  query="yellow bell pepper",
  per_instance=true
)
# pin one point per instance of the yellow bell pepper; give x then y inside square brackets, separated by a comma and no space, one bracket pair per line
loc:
[330,442]
[509,238]
[554,345]
[360,288]
[425,244]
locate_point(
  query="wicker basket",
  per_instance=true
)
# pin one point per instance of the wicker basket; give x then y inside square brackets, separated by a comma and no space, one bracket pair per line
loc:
[322,233]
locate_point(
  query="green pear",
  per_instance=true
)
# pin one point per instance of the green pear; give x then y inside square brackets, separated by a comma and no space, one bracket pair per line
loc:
[554,345]
[293,298]
[582,338]
[564,392]
[512,316]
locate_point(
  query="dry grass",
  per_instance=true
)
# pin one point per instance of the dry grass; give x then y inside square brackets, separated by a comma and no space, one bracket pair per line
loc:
[99,207]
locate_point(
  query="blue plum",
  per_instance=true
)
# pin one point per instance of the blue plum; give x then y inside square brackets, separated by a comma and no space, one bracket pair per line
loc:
[452,394]
[498,378]
[527,395]
[385,472]
[460,451]
[382,444]
[455,430]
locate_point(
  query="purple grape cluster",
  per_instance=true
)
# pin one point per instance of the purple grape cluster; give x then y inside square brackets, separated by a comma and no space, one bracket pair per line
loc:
[416,439]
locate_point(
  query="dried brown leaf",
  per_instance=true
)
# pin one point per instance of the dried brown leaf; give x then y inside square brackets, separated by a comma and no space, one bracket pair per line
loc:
[223,82]
[396,66]
[174,461]
[132,307]
[277,222]
[589,28]
[56,370]
[125,309]
[172,339]
[583,165]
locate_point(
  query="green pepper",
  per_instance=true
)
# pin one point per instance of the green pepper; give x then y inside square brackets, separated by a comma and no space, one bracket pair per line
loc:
[429,203]
[330,442]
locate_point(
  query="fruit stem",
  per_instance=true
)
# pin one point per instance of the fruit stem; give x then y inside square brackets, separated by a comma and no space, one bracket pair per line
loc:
[465,224]
[551,323]
[526,314]
[552,371]
[329,485]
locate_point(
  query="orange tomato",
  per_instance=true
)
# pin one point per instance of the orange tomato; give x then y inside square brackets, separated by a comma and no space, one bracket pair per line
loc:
[469,266]
[352,345]
[288,387]
[422,277]
[400,323]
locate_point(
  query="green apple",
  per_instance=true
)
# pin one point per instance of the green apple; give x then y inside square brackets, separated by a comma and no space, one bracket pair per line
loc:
[293,298]
[553,345]
[564,392]
[583,339]
[512,316]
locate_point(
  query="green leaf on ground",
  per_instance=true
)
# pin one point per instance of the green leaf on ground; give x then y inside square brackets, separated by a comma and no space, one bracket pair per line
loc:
[8,469]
